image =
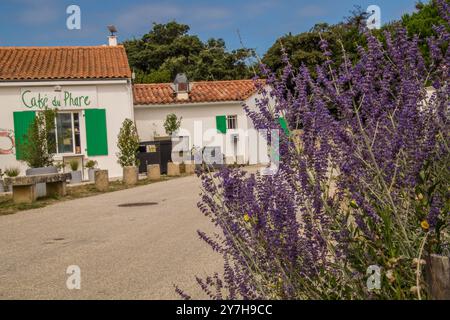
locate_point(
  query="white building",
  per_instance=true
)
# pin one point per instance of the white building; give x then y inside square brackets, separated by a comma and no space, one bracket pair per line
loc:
[90,87]
[211,113]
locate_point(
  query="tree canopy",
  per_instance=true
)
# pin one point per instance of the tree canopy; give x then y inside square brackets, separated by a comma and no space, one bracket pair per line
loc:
[169,49]
[304,48]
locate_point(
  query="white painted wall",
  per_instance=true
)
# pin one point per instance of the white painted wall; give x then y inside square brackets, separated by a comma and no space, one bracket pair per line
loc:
[150,124]
[117,100]
[114,96]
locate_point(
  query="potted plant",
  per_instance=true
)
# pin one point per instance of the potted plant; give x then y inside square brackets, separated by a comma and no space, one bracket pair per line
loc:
[12,173]
[76,174]
[172,124]
[39,147]
[60,166]
[128,144]
[91,166]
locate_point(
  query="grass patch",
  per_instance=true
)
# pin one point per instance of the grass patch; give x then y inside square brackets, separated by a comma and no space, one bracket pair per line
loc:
[7,206]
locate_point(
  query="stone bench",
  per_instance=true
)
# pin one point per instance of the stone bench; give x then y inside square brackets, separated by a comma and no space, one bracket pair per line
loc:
[24,188]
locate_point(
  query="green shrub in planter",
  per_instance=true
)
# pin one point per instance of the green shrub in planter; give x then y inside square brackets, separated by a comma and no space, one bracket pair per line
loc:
[74,164]
[76,175]
[172,124]
[12,172]
[60,166]
[91,166]
[128,144]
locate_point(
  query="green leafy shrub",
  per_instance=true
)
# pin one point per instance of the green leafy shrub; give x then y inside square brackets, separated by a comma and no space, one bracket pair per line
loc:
[172,124]
[365,191]
[91,164]
[128,143]
[59,165]
[74,164]
[38,149]
[12,172]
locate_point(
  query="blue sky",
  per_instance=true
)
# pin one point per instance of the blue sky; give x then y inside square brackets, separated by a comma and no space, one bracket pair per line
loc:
[260,22]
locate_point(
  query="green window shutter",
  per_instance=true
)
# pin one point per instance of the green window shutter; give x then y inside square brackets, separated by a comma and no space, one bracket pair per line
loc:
[22,123]
[283,125]
[221,124]
[96,133]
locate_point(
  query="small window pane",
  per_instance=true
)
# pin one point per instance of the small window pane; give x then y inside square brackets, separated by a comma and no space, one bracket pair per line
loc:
[64,132]
[232,122]
[182,87]
[52,141]
[76,127]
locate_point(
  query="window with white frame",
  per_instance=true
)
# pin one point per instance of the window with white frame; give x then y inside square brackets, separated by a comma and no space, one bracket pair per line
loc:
[67,133]
[232,122]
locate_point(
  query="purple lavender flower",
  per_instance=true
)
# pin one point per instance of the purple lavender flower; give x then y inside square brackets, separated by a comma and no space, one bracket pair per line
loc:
[297,235]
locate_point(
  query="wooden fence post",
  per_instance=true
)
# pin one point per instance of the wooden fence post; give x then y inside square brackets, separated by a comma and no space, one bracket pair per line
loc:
[438,277]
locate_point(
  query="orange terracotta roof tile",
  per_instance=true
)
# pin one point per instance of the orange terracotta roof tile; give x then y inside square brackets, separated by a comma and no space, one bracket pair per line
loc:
[206,91]
[63,63]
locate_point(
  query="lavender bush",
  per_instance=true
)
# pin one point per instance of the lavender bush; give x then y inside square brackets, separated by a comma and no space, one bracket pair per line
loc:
[366,184]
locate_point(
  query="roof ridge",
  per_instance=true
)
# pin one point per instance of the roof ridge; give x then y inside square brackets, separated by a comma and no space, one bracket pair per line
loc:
[59,47]
[196,82]
[202,91]
[63,62]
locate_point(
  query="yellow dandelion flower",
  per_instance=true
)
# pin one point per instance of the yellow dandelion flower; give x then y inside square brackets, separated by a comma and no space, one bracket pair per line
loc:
[353,204]
[246,218]
[424,224]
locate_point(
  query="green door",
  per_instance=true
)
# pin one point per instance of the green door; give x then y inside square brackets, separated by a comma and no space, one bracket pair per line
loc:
[22,123]
[96,132]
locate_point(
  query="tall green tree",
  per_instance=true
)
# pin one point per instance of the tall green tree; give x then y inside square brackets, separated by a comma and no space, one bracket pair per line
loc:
[128,144]
[169,49]
[304,48]
[421,23]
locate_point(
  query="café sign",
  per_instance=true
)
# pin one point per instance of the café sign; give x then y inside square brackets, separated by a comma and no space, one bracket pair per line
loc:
[66,98]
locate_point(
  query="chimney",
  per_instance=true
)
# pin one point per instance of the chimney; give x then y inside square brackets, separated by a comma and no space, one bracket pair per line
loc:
[112,41]
[181,87]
